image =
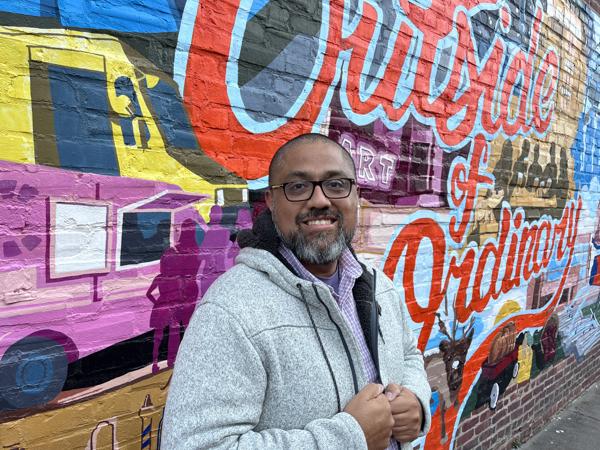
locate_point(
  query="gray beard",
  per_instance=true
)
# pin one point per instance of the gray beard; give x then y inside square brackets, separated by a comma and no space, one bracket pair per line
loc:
[319,250]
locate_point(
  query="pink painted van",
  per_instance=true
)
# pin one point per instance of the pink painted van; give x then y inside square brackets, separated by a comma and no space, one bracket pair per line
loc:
[78,252]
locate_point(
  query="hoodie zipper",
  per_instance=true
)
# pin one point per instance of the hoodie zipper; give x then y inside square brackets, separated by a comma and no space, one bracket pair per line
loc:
[344,343]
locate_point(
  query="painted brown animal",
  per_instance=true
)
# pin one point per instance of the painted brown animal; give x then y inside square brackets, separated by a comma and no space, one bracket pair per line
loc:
[445,368]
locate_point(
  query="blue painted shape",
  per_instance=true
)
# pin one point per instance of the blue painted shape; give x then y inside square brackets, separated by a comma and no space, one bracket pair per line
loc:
[138,16]
[435,340]
[184,40]
[259,183]
[200,233]
[587,141]
[171,116]
[147,430]
[38,8]
[81,120]
[126,125]
[146,235]
[594,272]
[124,86]
[257,5]
[150,223]
[435,401]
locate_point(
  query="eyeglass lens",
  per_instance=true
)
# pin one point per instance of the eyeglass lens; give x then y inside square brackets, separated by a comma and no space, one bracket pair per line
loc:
[303,190]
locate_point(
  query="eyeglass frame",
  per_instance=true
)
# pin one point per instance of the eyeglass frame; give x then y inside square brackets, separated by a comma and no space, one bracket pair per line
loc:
[314,185]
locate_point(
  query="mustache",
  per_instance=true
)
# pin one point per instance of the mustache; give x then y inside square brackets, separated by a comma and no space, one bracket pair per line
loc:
[317,214]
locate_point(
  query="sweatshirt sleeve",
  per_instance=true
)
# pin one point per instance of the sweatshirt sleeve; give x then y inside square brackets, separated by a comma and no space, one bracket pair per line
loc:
[415,376]
[217,391]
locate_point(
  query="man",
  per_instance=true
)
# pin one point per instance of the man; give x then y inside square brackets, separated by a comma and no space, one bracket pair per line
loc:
[299,346]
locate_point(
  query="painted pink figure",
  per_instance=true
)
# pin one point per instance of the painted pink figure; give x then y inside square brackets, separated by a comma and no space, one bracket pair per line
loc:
[178,291]
[215,216]
[188,264]
[214,250]
[166,305]
[243,222]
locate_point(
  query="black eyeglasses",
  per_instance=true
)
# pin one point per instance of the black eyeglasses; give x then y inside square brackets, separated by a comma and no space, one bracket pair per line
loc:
[302,190]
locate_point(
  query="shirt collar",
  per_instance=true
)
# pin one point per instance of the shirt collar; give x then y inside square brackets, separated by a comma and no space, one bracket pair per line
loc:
[348,267]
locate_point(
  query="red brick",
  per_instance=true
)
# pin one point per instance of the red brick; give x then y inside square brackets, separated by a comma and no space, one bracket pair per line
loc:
[463,439]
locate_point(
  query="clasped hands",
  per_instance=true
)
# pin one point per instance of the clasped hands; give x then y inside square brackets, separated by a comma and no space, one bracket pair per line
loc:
[383,413]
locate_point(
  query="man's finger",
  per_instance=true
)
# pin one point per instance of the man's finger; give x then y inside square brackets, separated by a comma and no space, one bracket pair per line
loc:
[405,437]
[399,406]
[395,388]
[372,390]
[391,396]
[406,401]
[392,391]
[407,414]
[402,404]
[397,431]
[405,434]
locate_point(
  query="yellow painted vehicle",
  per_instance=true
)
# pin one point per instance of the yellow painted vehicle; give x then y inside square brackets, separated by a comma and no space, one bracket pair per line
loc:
[87,102]
[117,138]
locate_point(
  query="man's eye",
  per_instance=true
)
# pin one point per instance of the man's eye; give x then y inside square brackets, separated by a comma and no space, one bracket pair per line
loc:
[297,186]
[335,184]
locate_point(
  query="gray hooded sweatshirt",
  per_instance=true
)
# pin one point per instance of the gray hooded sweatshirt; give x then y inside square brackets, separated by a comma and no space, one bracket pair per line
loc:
[268,362]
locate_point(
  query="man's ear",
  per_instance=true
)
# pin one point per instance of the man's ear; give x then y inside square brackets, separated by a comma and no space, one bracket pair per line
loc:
[269,199]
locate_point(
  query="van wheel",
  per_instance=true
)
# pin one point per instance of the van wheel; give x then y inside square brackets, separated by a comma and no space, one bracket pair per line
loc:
[32,372]
[494,395]
[515,371]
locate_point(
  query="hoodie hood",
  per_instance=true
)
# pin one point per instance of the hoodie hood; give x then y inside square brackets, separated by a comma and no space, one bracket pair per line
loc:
[263,234]
[260,250]
[278,272]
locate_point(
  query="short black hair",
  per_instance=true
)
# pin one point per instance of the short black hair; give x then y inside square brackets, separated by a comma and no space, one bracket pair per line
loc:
[303,139]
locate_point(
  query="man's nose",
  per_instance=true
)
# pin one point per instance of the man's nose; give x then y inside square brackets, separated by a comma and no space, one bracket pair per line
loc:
[319,199]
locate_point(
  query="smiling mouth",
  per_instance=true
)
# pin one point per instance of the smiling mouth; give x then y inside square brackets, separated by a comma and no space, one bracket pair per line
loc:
[327,221]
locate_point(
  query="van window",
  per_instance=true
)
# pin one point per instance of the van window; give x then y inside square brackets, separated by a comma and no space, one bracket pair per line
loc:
[145,236]
[79,239]
[70,106]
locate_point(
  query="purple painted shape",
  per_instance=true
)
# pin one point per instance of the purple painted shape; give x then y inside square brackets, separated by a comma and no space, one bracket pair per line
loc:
[31,242]
[11,249]
[214,251]
[244,219]
[70,348]
[215,215]
[88,325]
[173,200]
[375,168]
[177,291]
[243,222]
[395,167]
[7,188]
[27,192]
[188,264]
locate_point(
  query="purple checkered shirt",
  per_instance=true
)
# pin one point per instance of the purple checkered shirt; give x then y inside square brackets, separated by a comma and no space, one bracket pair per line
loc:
[350,270]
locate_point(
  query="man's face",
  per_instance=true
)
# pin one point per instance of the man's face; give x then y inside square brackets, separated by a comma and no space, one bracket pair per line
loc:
[318,229]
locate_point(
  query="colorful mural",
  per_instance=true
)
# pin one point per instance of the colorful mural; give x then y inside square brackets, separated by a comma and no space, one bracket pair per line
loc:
[136,137]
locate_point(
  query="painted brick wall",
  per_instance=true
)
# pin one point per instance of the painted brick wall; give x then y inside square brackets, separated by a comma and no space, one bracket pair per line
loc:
[528,406]
[135,138]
